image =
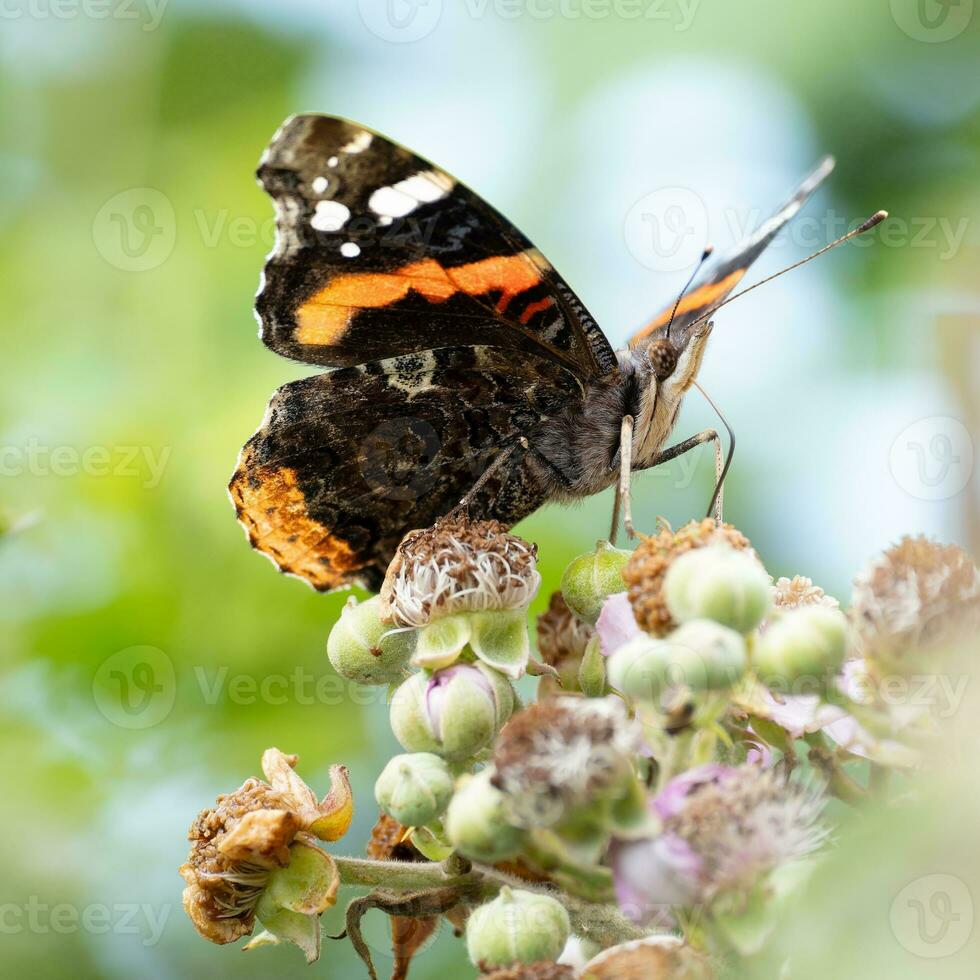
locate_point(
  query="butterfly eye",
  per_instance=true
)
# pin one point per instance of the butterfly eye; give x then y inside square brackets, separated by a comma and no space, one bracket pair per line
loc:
[663,358]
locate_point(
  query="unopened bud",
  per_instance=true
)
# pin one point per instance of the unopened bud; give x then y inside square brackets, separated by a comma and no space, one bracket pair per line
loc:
[364,649]
[700,655]
[808,643]
[718,583]
[414,789]
[517,927]
[590,579]
[453,712]
[476,821]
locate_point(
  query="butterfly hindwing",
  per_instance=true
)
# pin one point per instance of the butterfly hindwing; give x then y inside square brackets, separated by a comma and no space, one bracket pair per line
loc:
[722,277]
[347,461]
[380,253]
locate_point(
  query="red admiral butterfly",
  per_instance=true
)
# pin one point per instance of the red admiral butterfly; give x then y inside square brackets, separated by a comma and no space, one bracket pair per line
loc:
[465,368]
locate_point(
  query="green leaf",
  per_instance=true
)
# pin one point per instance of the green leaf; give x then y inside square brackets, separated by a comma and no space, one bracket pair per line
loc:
[499,638]
[441,642]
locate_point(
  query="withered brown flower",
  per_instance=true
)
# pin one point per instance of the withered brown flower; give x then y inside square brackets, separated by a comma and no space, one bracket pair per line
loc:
[238,845]
[458,566]
[541,970]
[645,571]
[653,958]
[562,753]
[917,597]
[562,639]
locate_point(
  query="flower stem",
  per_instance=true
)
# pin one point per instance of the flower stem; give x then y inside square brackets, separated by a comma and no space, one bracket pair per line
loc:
[398,875]
[600,922]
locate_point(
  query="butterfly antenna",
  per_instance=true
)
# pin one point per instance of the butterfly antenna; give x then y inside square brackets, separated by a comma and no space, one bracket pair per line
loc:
[708,249]
[875,219]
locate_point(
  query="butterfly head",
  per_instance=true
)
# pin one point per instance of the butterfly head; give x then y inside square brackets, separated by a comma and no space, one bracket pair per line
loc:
[674,361]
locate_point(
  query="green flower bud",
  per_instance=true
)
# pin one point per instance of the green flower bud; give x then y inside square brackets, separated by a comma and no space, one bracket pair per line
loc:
[808,643]
[453,712]
[592,670]
[364,649]
[414,789]
[476,821]
[590,579]
[516,927]
[700,655]
[718,583]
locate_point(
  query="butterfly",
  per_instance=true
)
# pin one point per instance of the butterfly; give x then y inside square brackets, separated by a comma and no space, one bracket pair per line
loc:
[462,366]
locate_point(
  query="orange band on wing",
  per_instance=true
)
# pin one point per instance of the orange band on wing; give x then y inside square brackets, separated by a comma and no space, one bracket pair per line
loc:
[324,318]
[272,509]
[700,299]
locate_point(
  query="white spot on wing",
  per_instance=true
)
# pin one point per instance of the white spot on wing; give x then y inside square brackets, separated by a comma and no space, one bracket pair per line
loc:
[320,184]
[405,196]
[330,216]
[359,143]
[350,250]
[333,161]
[425,187]
[391,203]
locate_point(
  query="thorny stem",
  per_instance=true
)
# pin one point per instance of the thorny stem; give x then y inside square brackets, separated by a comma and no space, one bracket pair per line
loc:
[602,923]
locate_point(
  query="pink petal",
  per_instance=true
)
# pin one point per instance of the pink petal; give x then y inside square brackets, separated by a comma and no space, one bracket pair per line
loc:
[616,624]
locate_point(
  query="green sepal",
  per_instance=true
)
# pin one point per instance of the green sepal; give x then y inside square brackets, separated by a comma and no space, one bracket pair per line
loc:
[308,884]
[499,638]
[592,670]
[441,642]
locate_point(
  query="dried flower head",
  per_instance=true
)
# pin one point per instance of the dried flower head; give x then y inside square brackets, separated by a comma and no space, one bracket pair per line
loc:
[743,823]
[723,830]
[915,598]
[561,634]
[459,566]
[645,571]
[238,844]
[541,970]
[791,593]
[563,753]
[654,958]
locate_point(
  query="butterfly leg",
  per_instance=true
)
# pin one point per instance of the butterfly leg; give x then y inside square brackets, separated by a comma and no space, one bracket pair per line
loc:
[721,465]
[484,476]
[623,486]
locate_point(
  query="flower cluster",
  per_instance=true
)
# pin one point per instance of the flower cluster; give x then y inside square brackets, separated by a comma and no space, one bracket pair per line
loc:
[648,814]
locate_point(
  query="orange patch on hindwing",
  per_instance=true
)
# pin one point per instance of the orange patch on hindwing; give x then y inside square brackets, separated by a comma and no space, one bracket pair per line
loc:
[323,319]
[272,508]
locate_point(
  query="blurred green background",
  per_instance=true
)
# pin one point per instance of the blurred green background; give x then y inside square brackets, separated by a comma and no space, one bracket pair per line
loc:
[148,656]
